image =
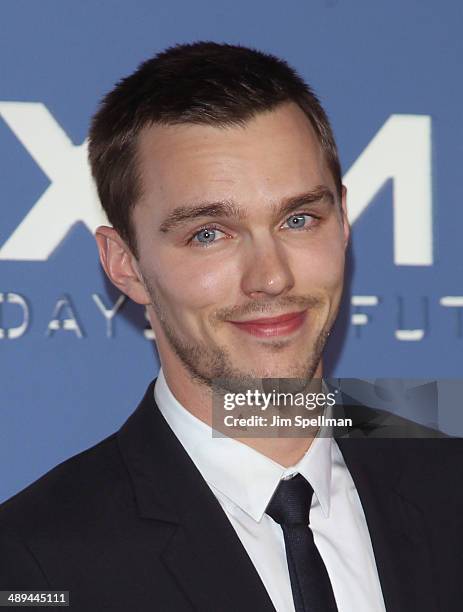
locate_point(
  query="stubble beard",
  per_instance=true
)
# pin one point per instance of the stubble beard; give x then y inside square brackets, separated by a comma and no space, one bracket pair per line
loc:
[213,365]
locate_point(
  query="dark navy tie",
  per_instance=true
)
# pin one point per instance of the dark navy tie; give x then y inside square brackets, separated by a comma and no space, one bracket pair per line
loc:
[310,583]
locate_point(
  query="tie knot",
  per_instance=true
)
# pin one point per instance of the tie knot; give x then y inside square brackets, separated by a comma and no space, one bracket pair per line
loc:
[290,504]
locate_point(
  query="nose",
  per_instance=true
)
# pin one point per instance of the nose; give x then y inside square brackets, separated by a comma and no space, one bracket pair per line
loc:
[266,269]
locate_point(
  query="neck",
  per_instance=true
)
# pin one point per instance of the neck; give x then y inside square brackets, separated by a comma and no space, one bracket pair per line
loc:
[197,399]
[284,451]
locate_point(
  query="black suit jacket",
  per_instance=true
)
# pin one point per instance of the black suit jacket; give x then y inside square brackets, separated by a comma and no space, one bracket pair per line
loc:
[130,524]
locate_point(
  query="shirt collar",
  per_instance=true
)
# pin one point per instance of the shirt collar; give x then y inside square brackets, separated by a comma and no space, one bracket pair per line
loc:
[245,476]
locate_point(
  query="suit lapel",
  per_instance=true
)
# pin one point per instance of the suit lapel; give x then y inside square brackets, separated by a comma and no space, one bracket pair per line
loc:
[204,553]
[380,470]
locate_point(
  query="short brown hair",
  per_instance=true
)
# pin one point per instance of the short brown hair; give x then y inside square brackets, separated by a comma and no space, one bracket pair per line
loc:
[203,83]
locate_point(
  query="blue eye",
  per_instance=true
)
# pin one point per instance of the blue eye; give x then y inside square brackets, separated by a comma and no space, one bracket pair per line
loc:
[297,221]
[205,236]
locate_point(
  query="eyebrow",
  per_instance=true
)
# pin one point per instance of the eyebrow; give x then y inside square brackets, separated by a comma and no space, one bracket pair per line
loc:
[182,215]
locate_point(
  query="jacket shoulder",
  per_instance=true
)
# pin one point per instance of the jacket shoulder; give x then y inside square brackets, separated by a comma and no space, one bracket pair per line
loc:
[79,486]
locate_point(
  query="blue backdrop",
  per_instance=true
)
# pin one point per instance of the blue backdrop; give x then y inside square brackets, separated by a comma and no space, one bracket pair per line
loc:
[74,360]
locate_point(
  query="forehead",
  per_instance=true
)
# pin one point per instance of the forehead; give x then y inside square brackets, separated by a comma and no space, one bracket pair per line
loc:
[274,155]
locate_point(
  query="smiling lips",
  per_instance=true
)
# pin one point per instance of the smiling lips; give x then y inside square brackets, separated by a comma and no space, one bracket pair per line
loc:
[272,326]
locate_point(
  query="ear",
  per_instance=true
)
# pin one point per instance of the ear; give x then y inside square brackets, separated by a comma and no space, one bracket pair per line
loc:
[120,264]
[345,220]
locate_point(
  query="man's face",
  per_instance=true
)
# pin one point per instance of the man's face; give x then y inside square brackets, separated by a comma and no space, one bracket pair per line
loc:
[240,224]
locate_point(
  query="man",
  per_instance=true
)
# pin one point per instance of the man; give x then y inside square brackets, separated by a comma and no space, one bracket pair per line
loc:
[218,170]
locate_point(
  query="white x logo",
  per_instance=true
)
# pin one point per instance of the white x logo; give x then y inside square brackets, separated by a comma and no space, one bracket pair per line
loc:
[71,195]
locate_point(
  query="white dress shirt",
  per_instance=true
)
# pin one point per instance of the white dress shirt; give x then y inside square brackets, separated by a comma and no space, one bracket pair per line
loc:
[244,480]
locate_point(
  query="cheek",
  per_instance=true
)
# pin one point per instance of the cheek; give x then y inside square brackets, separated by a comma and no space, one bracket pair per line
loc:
[320,269]
[191,283]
